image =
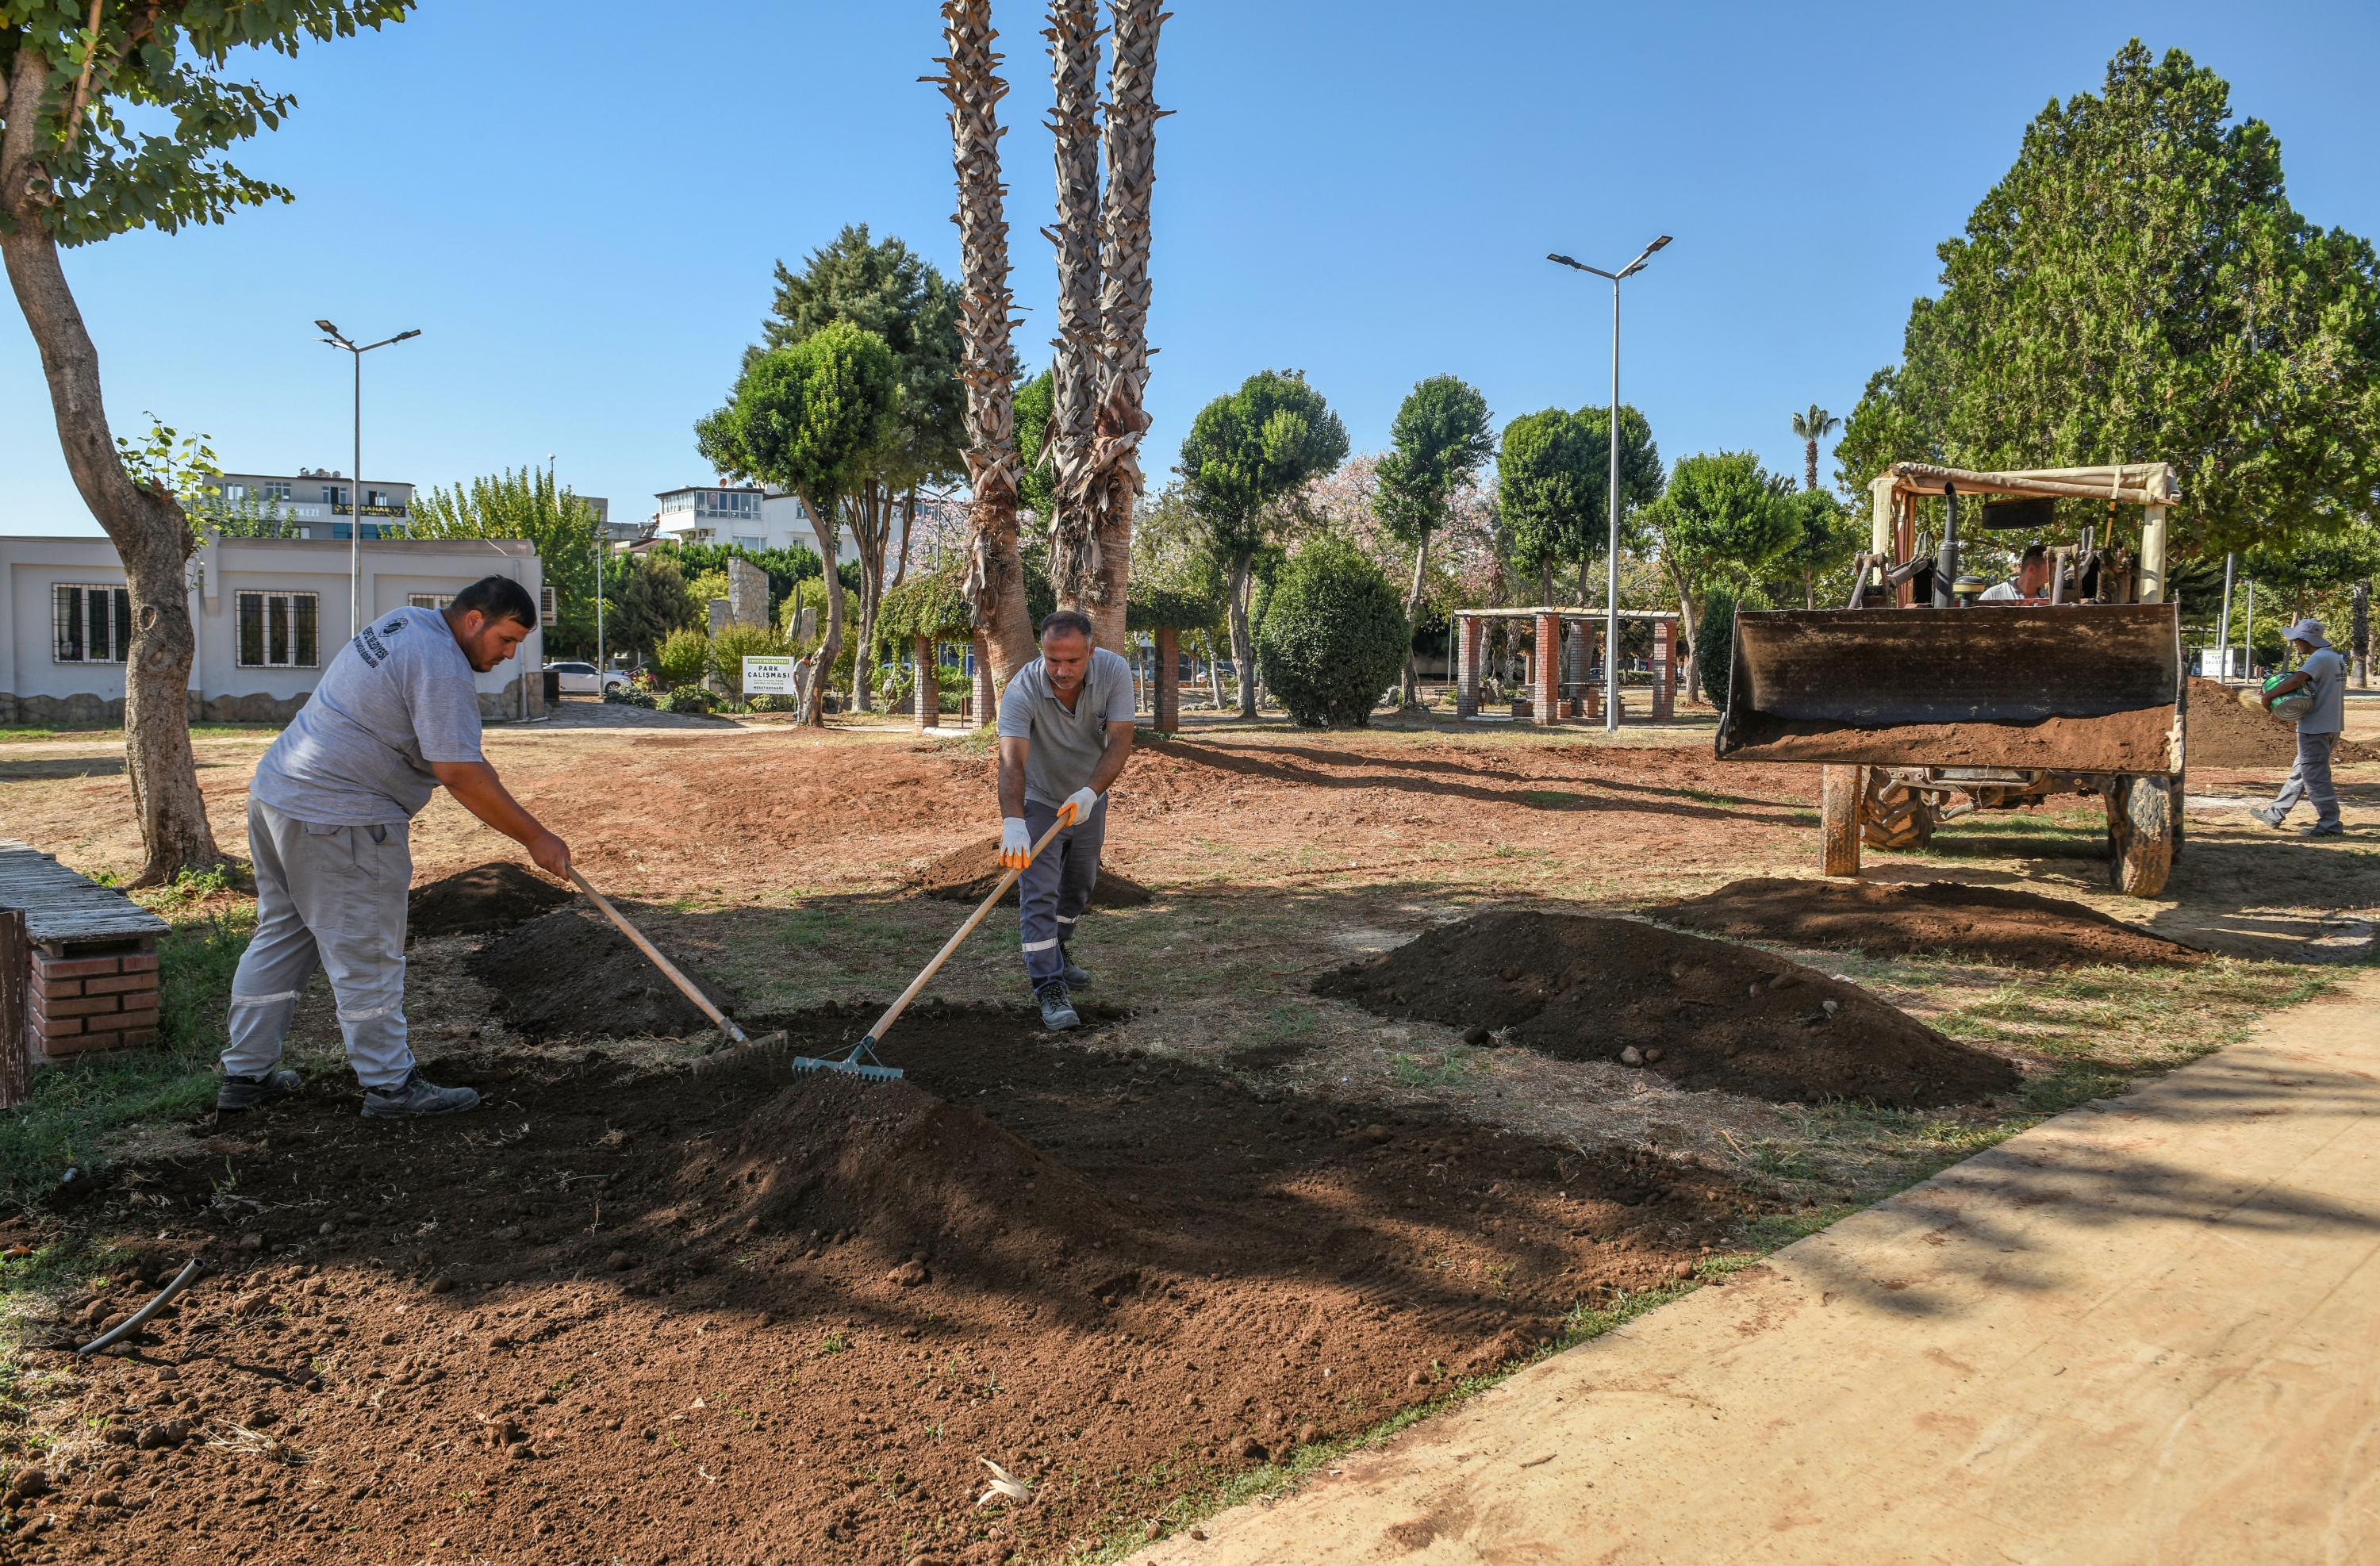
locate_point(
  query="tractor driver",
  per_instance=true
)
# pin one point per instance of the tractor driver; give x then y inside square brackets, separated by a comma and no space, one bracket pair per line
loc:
[2031,583]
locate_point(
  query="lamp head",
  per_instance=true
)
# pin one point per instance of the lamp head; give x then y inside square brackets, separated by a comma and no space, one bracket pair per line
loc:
[403,335]
[328,327]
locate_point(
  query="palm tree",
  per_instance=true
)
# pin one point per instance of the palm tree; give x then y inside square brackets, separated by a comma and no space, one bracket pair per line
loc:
[1811,428]
[1074,562]
[971,80]
[1114,483]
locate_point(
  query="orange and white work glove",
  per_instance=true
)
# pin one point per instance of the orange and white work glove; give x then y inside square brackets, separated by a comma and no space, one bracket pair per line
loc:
[1078,807]
[1015,843]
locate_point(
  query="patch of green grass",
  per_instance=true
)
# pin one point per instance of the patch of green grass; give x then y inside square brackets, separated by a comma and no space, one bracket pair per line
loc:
[1451,1067]
[198,731]
[1552,798]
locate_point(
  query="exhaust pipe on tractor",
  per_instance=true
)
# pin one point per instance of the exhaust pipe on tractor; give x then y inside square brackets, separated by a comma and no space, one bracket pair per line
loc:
[1946,559]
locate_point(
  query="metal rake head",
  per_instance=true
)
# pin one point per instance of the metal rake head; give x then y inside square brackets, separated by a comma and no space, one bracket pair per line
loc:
[862,1062]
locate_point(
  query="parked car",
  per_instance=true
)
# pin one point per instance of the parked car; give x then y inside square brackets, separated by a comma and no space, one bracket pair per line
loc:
[579,679]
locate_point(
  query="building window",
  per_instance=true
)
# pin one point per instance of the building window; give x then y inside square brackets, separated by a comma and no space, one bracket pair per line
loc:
[428,601]
[93,623]
[745,540]
[274,489]
[277,630]
[235,492]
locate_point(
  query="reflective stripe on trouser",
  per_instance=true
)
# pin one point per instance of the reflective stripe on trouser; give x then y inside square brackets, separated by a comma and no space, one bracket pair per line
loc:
[1056,887]
[2310,779]
[328,897]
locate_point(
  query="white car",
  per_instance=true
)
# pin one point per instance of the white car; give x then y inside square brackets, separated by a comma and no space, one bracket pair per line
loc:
[579,679]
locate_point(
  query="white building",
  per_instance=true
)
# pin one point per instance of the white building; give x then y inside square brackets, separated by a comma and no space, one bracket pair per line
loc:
[269,613]
[314,502]
[734,514]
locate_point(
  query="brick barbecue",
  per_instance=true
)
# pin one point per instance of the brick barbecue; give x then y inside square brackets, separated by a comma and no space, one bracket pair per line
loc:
[89,955]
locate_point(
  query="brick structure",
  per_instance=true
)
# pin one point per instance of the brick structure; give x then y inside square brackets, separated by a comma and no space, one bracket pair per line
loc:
[90,959]
[925,695]
[1168,719]
[1470,644]
[984,704]
[1665,670]
[1544,672]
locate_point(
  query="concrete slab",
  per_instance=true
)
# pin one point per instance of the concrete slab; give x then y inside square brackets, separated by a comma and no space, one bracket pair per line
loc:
[2148,1329]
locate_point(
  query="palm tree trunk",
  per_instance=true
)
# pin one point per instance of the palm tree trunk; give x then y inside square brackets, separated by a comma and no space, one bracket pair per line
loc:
[1809,463]
[1074,35]
[971,82]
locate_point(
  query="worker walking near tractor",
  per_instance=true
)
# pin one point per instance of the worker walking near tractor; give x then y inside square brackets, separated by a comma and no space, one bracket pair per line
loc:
[2322,673]
[1065,734]
[396,714]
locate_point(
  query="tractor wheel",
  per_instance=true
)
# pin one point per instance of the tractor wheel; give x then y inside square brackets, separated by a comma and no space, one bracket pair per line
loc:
[1841,789]
[2140,836]
[1895,816]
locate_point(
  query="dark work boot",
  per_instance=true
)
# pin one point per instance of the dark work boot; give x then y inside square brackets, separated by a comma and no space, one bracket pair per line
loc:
[1074,977]
[239,1093]
[1057,1013]
[414,1097]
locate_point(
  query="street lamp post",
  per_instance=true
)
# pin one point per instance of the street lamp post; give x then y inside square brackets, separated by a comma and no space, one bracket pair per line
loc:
[331,335]
[1611,560]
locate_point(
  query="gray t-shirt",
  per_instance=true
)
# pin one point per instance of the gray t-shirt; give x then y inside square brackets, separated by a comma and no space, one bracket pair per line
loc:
[1066,746]
[2325,673]
[396,698]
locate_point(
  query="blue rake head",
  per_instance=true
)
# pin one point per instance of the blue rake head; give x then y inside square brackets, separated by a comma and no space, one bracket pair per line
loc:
[862,1062]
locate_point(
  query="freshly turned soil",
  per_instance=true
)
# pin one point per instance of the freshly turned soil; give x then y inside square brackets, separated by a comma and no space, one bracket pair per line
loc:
[2137,741]
[736,1315]
[1996,924]
[571,974]
[1584,988]
[967,875]
[2223,733]
[485,898]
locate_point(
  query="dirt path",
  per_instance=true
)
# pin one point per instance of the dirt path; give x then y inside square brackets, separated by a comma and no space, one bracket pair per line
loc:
[2175,1283]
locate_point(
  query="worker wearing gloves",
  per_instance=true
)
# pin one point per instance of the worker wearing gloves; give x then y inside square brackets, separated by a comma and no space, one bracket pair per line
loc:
[2322,671]
[1065,734]
[395,715]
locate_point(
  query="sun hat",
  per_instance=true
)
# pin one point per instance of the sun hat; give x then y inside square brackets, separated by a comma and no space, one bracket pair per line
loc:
[2309,632]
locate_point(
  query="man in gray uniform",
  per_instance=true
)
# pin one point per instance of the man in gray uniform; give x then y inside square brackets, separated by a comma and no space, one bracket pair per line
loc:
[2322,671]
[395,715]
[1065,734]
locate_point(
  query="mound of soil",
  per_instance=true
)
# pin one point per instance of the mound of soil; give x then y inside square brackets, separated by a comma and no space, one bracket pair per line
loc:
[1997,924]
[676,1314]
[1703,1014]
[496,895]
[967,875]
[2137,741]
[569,973]
[2223,733]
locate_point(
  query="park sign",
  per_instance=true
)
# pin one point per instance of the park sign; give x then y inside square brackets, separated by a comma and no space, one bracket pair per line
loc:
[770,674]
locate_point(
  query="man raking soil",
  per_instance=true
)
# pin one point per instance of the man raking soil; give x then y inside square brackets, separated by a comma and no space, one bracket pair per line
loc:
[396,714]
[1065,734]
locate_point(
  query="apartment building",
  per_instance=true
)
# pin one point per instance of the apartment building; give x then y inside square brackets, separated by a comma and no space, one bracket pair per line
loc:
[313,502]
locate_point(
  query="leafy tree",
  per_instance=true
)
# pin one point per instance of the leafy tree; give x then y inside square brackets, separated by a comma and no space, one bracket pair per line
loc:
[1438,444]
[812,418]
[1034,401]
[527,504]
[1334,635]
[888,289]
[1549,481]
[2138,289]
[2300,572]
[115,115]
[1825,536]
[1641,478]
[649,600]
[1721,519]
[785,565]
[1248,453]
[707,586]
[1714,644]
[1810,429]
[684,655]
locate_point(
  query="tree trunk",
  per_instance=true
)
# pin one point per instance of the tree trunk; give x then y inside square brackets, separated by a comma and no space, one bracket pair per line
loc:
[2358,632]
[1244,652]
[1214,668]
[1686,653]
[1546,583]
[1412,693]
[908,525]
[822,672]
[1810,461]
[1075,563]
[150,534]
[995,571]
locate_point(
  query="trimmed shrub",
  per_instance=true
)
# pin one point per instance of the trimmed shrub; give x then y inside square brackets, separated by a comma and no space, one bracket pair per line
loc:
[772,702]
[1715,645]
[689,698]
[631,696]
[735,643]
[1334,635]
[684,657]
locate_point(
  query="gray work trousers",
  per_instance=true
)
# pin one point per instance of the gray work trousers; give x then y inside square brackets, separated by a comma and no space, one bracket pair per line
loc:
[2310,779]
[1056,887]
[332,897]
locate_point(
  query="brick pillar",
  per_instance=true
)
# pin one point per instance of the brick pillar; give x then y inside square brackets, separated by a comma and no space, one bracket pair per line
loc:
[1544,672]
[1168,680]
[1665,669]
[927,694]
[986,700]
[1470,634]
[81,998]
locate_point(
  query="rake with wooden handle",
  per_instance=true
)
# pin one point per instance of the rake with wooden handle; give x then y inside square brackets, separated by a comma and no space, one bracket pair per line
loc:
[669,971]
[862,1059]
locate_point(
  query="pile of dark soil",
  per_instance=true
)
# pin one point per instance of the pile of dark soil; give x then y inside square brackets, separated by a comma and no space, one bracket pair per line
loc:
[1997,924]
[1703,1014]
[2137,741]
[2223,733]
[967,875]
[496,895]
[682,1315]
[569,973]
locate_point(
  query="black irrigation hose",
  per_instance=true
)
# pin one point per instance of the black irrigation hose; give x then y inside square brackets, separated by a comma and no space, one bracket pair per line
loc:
[139,1319]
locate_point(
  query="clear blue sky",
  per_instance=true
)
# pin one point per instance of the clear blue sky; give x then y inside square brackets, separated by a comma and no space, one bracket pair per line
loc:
[581,211]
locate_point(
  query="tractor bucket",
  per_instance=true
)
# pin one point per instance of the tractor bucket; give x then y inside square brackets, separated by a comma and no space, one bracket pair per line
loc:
[2067,688]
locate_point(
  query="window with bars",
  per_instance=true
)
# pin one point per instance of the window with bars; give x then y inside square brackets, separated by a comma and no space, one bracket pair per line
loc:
[428,601]
[278,630]
[93,623]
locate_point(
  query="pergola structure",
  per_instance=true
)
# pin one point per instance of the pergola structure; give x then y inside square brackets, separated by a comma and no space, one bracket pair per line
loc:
[1571,684]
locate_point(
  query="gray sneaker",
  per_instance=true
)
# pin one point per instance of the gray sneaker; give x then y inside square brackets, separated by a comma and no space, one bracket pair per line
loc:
[1074,977]
[1057,1013]
[2269,816]
[416,1097]
[238,1093]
